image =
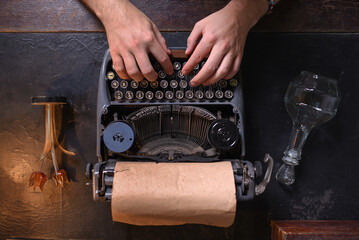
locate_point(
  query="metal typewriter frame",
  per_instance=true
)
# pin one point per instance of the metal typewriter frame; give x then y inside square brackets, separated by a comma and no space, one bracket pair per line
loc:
[244,171]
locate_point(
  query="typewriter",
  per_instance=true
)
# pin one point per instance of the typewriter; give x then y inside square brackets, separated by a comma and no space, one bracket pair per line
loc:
[168,120]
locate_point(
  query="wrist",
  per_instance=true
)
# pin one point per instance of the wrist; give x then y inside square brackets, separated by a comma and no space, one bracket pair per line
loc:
[107,10]
[253,9]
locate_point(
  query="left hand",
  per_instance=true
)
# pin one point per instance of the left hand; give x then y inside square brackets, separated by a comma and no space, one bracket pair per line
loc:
[223,37]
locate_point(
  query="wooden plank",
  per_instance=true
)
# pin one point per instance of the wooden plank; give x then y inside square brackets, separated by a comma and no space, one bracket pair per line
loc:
[308,229]
[178,15]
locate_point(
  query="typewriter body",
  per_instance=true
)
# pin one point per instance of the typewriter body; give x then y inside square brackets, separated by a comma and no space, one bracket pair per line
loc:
[170,121]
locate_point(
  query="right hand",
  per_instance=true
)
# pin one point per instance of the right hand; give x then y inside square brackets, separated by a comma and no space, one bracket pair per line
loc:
[131,37]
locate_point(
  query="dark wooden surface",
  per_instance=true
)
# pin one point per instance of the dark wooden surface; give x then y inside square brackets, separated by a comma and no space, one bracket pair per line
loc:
[313,230]
[178,15]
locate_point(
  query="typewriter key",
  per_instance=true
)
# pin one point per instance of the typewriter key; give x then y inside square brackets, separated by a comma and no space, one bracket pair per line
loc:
[223,83]
[214,85]
[110,75]
[129,95]
[149,95]
[114,84]
[124,84]
[228,94]
[196,67]
[209,94]
[173,83]
[233,82]
[202,64]
[180,74]
[118,95]
[134,84]
[199,94]
[183,83]
[176,66]
[189,94]
[161,74]
[157,66]
[169,95]
[219,94]
[179,94]
[154,84]
[144,83]
[159,95]
[139,95]
[164,84]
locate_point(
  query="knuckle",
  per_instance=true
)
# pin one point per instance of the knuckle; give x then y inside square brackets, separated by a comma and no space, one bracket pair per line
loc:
[148,37]
[211,68]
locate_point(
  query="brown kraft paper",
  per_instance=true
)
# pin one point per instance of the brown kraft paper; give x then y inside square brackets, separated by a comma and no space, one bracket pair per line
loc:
[148,193]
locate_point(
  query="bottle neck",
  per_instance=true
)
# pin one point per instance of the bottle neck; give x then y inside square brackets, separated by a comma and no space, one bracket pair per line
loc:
[298,136]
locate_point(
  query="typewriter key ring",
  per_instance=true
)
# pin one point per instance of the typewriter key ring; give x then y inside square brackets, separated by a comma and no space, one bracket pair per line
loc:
[59,175]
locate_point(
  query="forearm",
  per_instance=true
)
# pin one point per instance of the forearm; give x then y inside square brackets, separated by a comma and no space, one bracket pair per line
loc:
[104,9]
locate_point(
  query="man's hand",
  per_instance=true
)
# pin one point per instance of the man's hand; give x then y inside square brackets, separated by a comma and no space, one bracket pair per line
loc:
[223,37]
[131,36]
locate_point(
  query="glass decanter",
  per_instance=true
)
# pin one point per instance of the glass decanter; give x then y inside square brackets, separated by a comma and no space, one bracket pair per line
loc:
[310,100]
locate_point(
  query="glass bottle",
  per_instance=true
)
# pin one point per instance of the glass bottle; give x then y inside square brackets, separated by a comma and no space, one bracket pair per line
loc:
[310,100]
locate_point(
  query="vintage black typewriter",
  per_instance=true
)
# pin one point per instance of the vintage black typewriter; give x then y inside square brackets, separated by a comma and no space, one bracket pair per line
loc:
[170,121]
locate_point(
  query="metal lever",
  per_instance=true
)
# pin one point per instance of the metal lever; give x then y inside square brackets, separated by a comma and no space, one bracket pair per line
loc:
[259,189]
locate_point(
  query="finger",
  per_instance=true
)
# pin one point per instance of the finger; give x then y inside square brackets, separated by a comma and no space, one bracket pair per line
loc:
[131,67]
[146,66]
[202,50]
[222,71]
[162,57]
[209,67]
[120,67]
[193,38]
[160,39]
[235,68]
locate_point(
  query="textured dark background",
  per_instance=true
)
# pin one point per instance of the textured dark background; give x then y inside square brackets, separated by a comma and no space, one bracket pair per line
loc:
[68,64]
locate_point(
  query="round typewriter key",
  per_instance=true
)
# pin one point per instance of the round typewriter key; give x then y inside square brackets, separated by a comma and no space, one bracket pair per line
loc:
[183,84]
[173,83]
[149,95]
[223,83]
[233,82]
[191,74]
[189,94]
[110,75]
[124,84]
[196,67]
[114,84]
[180,74]
[202,64]
[144,83]
[118,95]
[177,66]
[214,85]
[199,94]
[159,95]
[139,95]
[154,84]
[161,74]
[219,94]
[134,84]
[129,95]
[179,94]
[157,66]
[228,94]
[169,94]
[209,94]
[164,84]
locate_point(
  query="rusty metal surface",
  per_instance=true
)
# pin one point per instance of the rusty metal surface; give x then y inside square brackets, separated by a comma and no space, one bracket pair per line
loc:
[68,64]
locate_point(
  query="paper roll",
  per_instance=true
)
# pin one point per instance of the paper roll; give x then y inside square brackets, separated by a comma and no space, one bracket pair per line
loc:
[147,193]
